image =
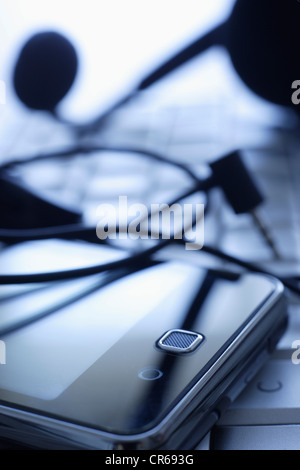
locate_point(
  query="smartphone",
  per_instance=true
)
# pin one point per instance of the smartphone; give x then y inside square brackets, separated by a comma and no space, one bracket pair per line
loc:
[149,360]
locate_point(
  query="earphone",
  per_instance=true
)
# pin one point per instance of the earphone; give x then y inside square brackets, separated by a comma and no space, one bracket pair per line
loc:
[251,34]
[261,37]
[243,197]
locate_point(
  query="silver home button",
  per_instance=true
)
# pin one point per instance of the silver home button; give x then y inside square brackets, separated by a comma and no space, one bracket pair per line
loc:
[180,341]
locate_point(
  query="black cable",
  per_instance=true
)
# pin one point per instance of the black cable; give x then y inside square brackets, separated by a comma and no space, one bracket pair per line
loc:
[78,231]
[88,149]
[249,266]
[87,234]
[133,261]
[82,233]
[129,262]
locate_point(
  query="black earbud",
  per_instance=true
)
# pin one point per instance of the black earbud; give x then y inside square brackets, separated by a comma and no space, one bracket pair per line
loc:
[263,41]
[261,37]
[45,71]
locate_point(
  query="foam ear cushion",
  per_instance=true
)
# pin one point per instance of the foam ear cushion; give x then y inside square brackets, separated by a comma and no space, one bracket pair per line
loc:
[45,70]
[263,42]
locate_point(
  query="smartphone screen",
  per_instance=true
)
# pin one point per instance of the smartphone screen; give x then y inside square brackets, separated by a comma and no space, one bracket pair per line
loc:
[44,359]
[97,361]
